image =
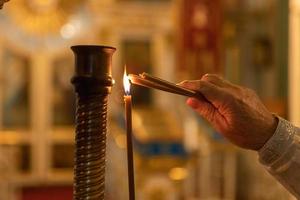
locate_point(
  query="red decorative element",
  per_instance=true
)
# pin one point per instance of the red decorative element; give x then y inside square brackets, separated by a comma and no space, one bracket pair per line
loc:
[201,33]
[47,193]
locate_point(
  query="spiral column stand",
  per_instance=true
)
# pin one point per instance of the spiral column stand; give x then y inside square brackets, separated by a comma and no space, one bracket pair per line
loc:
[92,82]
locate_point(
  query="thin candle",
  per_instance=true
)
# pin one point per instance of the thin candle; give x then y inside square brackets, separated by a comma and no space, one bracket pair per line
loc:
[138,80]
[168,84]
[128,118]
[149,81]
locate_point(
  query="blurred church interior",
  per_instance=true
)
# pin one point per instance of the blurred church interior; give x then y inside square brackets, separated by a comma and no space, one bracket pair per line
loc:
[177,155]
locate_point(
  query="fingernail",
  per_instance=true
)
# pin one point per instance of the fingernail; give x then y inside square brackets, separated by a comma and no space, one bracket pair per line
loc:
[182,83]
[192,102]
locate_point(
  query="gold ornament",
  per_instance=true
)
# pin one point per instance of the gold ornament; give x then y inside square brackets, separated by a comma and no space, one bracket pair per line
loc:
[42,17]
[2,3]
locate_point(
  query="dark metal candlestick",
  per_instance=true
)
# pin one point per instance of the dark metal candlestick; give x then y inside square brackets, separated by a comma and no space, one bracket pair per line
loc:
[93,82]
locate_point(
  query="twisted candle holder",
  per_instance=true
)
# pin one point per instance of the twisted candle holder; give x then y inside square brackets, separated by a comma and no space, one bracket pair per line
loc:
[92,83]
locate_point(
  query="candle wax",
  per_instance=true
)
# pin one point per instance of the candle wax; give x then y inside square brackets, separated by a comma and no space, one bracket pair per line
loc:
[128,113]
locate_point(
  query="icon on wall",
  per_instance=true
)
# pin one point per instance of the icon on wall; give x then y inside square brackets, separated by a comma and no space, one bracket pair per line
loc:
[14,81]
[63,100]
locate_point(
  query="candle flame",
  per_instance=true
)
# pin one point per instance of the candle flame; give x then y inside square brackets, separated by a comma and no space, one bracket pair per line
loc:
[126,82]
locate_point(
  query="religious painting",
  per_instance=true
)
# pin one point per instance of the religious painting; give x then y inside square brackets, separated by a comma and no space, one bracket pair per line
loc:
[15,84]
[199,47]
[137,57]
[262,52]
[63,98]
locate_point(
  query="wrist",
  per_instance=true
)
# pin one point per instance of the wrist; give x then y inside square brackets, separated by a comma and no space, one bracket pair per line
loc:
[270,130]
[277,145]
[266,132]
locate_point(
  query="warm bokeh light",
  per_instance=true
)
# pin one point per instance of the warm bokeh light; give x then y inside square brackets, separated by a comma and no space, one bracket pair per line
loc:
[121,141]
[176,153]
[178,173]
[126,82]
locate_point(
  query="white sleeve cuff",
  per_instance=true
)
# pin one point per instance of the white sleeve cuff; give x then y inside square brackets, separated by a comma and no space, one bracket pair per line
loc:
[279,144]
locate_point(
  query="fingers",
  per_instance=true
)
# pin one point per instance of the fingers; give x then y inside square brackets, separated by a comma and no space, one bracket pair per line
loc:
[190,84]
[214,79]
[193,103]
[214,89]
[211,78]
[205,109]
[202,107]
[212,93]
[218,81]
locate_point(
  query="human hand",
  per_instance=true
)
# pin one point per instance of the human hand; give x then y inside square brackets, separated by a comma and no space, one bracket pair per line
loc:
[234,111]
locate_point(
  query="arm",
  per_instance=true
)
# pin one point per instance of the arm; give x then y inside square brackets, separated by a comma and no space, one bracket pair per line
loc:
[281,156]
[238,114]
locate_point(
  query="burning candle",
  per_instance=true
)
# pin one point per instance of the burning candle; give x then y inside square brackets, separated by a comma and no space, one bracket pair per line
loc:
[128,117]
